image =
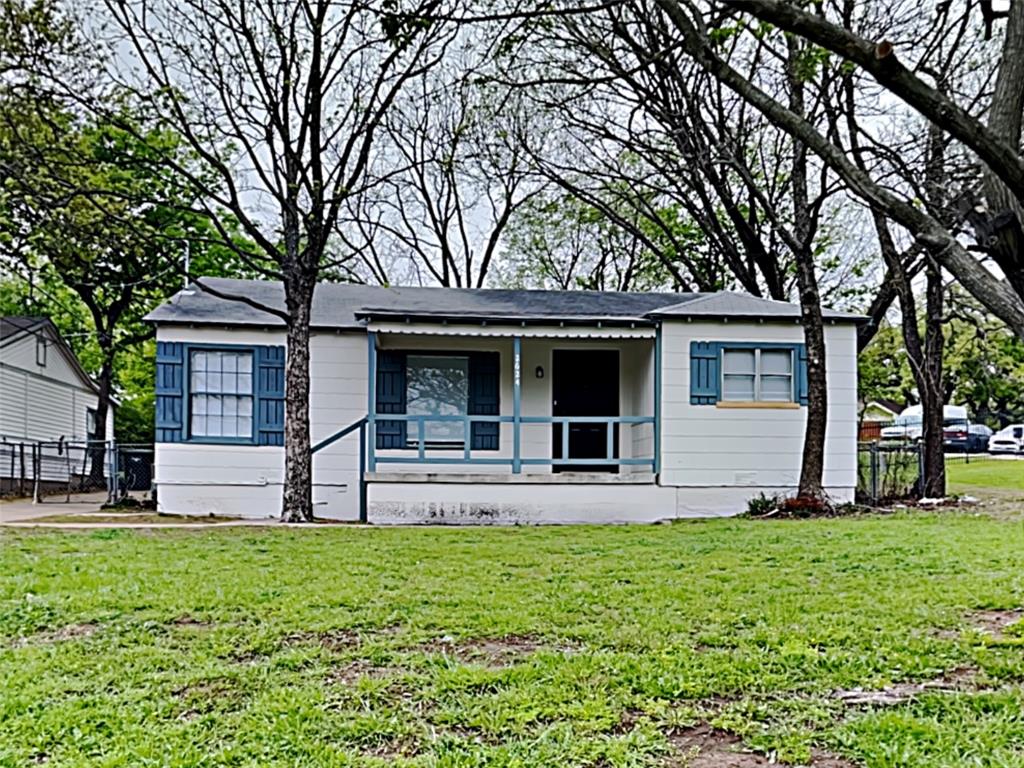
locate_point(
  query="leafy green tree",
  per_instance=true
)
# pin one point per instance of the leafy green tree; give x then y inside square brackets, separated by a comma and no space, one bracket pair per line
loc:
[96,232]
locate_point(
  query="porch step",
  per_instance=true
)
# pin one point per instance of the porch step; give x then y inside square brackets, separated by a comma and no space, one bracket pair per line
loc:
[526,478]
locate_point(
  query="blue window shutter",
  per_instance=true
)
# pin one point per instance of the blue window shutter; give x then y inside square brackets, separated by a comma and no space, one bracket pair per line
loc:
[170,391]
[390,398]
[269,395]
[484,399]
[801,374]
[704,378]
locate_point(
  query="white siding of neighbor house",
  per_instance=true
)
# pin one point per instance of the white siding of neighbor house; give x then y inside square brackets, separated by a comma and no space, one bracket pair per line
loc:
[759,449]
[713,459]
[42,403]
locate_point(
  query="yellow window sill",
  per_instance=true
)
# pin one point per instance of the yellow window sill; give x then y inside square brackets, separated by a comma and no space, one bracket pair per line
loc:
[763,405]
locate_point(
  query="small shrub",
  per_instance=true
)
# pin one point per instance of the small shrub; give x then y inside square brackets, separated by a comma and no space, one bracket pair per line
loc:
[805,506]
[762,505]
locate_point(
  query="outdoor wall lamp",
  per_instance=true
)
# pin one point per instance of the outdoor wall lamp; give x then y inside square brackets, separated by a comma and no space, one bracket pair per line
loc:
[540,372]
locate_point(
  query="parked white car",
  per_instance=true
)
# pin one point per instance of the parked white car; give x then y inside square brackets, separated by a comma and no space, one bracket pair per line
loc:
[1007,440]
[908,426]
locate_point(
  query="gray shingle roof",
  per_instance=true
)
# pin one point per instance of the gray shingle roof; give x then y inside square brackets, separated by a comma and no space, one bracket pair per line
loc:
[342,305]
[730,304]
[14,324]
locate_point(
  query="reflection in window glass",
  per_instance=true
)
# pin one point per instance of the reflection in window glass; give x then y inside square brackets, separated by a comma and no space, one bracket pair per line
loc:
[437,385]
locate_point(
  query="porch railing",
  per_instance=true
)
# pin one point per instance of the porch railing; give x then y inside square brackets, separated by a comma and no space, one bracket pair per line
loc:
[516,460]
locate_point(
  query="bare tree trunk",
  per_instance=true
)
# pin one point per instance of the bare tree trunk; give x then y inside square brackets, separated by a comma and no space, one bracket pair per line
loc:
[813,461]
[933,484]
[96,440]
[297,502]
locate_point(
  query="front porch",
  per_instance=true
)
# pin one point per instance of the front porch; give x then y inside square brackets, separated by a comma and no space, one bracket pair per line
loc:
[571,405]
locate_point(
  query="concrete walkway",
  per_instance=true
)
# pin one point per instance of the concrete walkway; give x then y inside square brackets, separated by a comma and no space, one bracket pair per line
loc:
[22,510]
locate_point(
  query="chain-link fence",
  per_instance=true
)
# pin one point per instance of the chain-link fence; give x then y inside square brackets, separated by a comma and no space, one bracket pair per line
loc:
[58,470]
[887,472]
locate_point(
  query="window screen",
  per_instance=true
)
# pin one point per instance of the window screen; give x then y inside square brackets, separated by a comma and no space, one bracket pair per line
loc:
[220,393]
[751,375]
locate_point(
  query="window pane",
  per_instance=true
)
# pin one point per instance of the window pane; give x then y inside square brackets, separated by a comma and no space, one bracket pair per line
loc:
[738,387]
[217,379]
[213,426]
[777,388]
[739,361]
[438,386]
[776,361]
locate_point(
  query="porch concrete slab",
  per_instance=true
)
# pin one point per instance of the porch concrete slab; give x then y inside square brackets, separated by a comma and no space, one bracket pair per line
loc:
[508,478]
[21,510]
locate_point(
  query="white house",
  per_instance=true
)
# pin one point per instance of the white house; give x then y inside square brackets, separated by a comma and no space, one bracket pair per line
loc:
[497,406]
[45,395]
[48,407]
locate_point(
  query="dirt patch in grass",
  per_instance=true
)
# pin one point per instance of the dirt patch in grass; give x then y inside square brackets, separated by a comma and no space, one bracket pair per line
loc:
[393,749]
[69,632]
[350,673]
[959,680]
[995,622]
[333,640]
[131,518]
[703,746]
[494,652]
[206,696]
[191,621]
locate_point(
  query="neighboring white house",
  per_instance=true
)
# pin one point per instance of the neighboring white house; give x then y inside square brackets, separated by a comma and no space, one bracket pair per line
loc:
[497,406]
[47,409]
[45,395]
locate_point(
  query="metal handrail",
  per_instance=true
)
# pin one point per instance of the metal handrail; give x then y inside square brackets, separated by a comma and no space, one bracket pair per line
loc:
[359,424]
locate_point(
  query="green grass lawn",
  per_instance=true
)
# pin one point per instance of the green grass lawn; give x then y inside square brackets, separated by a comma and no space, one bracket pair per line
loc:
[984,473]
[559,646]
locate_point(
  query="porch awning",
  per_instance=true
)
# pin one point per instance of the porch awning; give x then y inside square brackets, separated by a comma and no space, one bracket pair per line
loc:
[597,331]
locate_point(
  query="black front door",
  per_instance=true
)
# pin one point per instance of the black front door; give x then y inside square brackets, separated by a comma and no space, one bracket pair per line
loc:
[585,382]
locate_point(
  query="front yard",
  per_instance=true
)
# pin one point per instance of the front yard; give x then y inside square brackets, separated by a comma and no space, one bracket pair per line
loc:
[876,641]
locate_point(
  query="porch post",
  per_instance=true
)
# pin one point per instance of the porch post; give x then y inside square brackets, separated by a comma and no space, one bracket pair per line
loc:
[517,376]
[371,404]
[657,401]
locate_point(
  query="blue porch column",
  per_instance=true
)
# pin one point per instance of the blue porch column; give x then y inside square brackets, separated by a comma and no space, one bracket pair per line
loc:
[371,400]
[517,386]
[657,402]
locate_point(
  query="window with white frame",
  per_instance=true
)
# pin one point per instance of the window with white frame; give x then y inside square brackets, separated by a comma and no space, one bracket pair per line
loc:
[437,385]
[220,393]
[40,351]
[757,374]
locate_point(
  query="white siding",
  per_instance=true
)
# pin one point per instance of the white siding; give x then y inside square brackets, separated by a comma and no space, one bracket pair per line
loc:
[715,458]
[247,480]
[703,445]
[42,403]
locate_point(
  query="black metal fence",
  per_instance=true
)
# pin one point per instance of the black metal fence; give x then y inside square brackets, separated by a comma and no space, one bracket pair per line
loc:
[59,470]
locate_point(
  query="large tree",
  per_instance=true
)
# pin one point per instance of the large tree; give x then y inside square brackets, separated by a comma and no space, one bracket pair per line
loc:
[281,104]
[997,150]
